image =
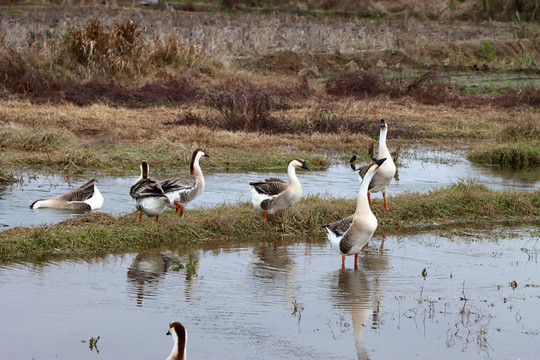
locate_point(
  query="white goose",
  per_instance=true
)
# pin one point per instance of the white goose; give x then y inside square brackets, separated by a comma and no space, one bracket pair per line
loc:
[386,172]
[183,189]
[84,198]
[148,195]
[273,194]
[178,332]
[349,235]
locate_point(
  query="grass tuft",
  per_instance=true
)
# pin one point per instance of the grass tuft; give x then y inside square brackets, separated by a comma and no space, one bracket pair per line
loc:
[462,202]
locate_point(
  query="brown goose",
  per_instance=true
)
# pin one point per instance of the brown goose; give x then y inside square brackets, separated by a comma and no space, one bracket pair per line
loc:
[386,172]
[349,235]
[86,197]
[183,189]
[273,195]
[148,195]
[178,332]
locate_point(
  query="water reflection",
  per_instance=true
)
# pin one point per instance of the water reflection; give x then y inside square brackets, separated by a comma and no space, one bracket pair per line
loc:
[272,267]
[148,270]
[354,292]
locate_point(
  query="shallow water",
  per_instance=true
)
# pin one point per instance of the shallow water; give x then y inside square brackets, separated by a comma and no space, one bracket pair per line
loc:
[420,171]
[240,301]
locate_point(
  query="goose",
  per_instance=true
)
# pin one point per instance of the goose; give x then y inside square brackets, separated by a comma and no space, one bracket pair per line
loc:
[148,195]
[183,189]
[386,172]
[273,194]
[349,235]
[178,332]
[84,198]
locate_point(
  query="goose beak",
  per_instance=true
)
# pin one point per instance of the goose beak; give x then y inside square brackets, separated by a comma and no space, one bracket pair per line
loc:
[205,153]
[378,162]
[383,124]
[168,332]
[304,166]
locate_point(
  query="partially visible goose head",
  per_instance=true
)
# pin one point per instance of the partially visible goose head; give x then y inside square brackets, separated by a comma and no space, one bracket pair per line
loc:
[367,172]
[298,163]
[383,125]
[178,332]
[145,170]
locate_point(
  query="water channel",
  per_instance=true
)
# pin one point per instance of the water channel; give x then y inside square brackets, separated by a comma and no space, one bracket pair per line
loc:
[419,171]
[424,296]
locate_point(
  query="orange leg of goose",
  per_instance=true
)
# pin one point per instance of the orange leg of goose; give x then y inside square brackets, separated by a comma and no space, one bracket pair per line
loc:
[140,217]
[265,219]
[386,207]
[369,198]
[179,208]
[279,219]
[157,218]
[343,262]
[356,261]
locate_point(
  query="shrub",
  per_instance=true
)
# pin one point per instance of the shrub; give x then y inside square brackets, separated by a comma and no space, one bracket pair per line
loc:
[359,84]
[244,106]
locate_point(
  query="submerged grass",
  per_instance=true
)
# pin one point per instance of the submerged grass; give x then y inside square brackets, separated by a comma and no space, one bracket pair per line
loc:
[462,202]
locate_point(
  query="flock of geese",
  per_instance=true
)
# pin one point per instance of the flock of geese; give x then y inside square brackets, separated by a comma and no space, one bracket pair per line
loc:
[348,236]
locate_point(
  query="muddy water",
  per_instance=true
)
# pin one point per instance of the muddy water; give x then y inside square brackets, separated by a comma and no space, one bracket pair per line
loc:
[420,171]
[239,302]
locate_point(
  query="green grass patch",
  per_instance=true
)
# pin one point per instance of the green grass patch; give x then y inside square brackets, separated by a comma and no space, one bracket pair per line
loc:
[124,159]
[515,155]
[465,201]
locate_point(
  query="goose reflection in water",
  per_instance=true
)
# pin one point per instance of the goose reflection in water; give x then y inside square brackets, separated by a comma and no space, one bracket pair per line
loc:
[146,272]
[273,268]
[358,291]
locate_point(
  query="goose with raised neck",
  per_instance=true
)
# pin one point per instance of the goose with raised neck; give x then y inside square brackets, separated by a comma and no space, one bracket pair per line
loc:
[273,194]
[349,235]
[184,188]
[148,195]
[387,170]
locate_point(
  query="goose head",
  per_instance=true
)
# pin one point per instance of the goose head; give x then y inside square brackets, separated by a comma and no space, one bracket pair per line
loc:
[298,163]
[383,125]
[197,154]
[200,152]
[371,167]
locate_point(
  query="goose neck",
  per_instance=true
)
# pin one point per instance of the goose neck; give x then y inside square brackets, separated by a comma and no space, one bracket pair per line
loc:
[382,140]
[195,168]
[362,205]
[291,171]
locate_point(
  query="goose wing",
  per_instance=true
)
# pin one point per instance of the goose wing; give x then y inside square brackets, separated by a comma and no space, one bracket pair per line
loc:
[180,183]
[340,227]
[270,186]
[82,193]
[146,188]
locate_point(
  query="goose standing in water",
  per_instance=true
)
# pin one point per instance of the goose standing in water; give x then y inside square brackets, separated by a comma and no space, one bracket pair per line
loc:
[349,235]
[183,189]
[273,194]
[148,195]
[178,332]
[84,198]
[386,172]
